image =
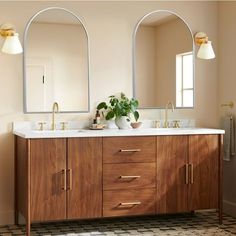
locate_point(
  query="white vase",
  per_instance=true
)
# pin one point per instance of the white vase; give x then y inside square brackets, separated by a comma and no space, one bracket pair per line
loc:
[110,124]
[123,122]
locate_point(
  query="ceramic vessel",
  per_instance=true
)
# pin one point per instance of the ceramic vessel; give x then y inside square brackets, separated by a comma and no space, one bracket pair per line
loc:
[123,122]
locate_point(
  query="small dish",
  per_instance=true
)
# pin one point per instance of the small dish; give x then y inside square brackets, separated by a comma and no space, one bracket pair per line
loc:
[96,128]
[136,125]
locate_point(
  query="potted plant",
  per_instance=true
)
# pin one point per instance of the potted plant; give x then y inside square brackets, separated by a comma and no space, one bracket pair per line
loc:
[120,107]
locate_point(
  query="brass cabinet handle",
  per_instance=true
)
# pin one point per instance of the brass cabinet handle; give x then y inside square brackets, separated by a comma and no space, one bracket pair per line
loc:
[69,172]
[64,179]
[191,177]
[130,176]
[186,174]
[130,150]
[129,203]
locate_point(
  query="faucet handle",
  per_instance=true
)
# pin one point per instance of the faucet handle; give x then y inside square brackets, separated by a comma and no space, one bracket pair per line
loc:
[176,123]
[158,124]
[41,125]
[63,125]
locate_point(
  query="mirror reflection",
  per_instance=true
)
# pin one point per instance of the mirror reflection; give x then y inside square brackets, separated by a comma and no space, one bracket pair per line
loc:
[163,61]
[56,60]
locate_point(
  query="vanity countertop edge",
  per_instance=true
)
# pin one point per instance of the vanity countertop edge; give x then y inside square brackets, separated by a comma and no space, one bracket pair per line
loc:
[31,134]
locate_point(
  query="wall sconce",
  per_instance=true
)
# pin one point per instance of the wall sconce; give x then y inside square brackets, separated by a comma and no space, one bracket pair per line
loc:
[12,43]
[205,51]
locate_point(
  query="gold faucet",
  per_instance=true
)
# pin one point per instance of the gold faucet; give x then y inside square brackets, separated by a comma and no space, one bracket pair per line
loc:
[55,108]
[166,123]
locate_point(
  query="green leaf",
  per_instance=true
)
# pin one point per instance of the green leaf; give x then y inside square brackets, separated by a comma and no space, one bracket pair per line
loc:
[110,115]
[102,105]
[133,108]
[134,102]
[112,102]
[122,95]
[136,115]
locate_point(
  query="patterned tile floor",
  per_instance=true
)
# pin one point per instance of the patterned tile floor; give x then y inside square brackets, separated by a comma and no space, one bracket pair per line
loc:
[201,223]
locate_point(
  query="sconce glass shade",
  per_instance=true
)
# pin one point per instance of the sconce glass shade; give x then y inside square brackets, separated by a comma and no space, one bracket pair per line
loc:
[12,45]
[206,51]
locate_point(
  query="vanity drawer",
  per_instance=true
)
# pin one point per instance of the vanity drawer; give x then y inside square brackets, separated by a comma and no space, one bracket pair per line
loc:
[131,175]
[129,149]
[129,202]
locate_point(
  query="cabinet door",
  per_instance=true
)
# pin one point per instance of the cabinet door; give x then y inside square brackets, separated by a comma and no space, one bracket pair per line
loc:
[47,162]
[172,189]
[84,177]
[204,158]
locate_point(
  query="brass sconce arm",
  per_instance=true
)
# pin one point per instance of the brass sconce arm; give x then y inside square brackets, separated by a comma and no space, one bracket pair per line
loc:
[200,38]
[7,30]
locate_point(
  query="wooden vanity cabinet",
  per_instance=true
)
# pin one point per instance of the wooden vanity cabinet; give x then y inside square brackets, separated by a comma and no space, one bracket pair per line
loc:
[189,173]
[129,176]
[79,178]
[58,178]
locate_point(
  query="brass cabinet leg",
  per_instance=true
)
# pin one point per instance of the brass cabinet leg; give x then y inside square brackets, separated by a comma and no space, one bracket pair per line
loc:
[28,217]
[15,184]
[28,228]
[220,196]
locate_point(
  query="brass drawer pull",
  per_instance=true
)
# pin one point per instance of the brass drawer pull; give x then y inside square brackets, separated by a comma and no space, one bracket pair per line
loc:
[64,179]
[129,203]
[69,172]
[130,150]
[186,174]
[191,177]
[130,176]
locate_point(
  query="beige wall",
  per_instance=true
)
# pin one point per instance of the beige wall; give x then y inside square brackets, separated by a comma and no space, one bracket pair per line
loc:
[227,90]
[110,26]
[145,74]
[172,38]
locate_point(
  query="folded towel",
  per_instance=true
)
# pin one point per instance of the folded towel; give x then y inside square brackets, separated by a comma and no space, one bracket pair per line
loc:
[229,139]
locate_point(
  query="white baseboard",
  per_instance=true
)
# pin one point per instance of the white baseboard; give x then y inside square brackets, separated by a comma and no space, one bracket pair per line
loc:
[229,208]
[6,217]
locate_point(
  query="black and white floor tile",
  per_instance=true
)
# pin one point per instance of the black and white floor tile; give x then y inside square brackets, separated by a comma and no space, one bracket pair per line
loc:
[201,223]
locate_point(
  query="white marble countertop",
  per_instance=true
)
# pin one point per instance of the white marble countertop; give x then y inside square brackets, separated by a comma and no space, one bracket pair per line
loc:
[24,133]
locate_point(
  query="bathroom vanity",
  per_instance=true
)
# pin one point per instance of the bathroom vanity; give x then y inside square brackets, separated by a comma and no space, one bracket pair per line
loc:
[88,174]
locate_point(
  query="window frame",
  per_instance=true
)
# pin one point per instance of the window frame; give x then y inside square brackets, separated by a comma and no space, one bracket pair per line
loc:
[179,57]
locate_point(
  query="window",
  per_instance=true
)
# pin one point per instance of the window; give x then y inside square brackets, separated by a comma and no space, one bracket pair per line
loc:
[184,80]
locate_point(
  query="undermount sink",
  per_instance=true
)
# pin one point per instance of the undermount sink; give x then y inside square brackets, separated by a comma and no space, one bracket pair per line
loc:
[174,130]
[56,131]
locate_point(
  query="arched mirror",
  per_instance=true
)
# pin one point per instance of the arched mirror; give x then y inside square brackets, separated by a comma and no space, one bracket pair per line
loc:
[163,61]
[56,62]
